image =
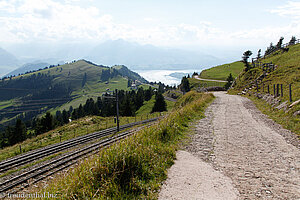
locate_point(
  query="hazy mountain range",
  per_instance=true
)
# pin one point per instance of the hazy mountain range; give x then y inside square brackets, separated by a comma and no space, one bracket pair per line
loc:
[112,52]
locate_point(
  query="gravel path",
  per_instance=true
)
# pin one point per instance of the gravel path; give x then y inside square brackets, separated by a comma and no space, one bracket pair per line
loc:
[261,158]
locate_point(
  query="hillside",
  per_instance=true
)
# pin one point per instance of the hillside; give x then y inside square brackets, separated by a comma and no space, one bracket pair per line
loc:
[59,87]
[221,72]
[287,71]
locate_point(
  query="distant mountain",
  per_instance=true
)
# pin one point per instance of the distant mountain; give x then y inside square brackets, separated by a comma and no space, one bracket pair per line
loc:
[28,67]
[124,71]
[7,62]
[147,56]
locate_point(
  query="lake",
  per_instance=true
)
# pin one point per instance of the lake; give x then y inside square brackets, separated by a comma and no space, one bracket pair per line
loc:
[169,77]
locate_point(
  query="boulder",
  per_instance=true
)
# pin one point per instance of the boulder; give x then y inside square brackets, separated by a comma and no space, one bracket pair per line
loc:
[295,103]
[296,113]
[284,106]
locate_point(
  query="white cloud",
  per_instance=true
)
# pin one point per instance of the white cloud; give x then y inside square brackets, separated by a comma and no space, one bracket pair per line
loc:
[50,20]
[291,9]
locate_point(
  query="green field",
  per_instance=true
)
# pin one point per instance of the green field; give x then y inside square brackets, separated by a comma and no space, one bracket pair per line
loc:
[222,72]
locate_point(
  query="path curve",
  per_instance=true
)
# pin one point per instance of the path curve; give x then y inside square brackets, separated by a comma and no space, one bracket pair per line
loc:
[203,79]
[240,143]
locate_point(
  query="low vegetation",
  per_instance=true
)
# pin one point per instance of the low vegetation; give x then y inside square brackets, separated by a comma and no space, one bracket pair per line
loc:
[135,167]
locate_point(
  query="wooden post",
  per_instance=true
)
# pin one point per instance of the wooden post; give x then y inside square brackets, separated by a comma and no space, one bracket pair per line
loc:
[256,86]
[281,90]
[290,89]
[20,149]
[277,92]
[268,89]
[274,90]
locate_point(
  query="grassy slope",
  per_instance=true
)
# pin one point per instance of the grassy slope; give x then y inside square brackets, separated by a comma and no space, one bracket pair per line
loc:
[222,72]
[72,75]
[135,167]
[287,73]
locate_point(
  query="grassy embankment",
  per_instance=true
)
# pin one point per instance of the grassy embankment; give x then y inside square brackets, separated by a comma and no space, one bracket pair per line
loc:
[288,72]
[135,167]
[220,72]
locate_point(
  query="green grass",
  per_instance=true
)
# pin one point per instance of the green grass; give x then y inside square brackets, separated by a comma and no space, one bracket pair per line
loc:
[222,72]
[135,167]
[287,73]
[76,128]
[195,83]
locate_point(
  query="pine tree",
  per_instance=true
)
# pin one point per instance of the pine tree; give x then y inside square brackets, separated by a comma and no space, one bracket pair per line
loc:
[160,104]
[185,85]
[279,44]
[245,57]
[293,40]
[229,81]
[259,54]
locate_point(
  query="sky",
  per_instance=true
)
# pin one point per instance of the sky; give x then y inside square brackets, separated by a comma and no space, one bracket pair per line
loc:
[187,24]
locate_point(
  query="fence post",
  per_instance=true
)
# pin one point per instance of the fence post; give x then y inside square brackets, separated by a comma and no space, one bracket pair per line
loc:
[274,90]
[20,149]
[277,92]
[281,90]
[256,86]
[290,89]
[268,89]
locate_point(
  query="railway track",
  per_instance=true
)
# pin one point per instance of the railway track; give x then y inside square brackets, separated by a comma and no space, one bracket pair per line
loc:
[42,171]
[58,147]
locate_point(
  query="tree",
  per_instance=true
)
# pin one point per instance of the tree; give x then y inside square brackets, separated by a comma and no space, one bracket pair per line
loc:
[127,107]
[259,54]
[160,104]
[16,134]
[148,94]
[293,40]
[129,82]
[279,44]
[245,57]
[47,122]
[229,81]
[185,85]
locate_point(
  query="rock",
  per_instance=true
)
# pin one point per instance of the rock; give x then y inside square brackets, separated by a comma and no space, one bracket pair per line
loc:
[295,103]
[296,113]
[284,106]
